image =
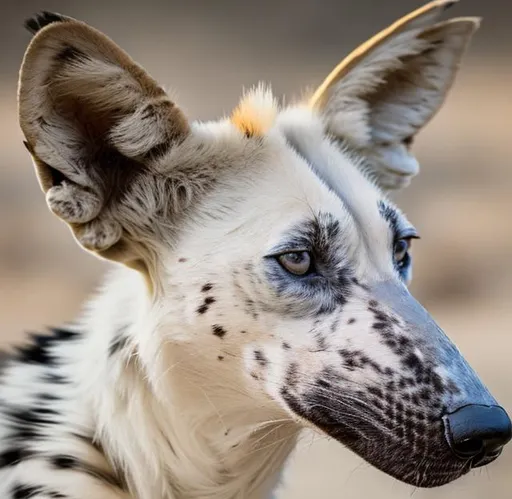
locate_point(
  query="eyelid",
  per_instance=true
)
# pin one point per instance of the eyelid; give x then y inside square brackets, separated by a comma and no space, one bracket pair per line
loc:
[286,249]
[408,234]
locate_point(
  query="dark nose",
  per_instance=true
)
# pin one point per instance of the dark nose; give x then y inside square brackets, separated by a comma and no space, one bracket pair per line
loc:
[477,432]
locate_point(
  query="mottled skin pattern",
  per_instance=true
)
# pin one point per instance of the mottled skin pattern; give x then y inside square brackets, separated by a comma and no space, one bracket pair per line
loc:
[260,286]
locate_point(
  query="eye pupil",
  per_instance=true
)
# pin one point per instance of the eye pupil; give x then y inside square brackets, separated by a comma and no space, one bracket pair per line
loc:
[296,262]
[401,250]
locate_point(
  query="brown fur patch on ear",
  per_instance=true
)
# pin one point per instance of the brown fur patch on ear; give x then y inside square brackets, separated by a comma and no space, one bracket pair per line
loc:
[256,112]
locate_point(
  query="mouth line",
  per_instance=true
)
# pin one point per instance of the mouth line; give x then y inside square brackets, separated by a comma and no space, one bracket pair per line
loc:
[418,471]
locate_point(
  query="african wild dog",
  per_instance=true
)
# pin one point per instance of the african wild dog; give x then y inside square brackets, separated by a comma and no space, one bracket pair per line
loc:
[262,285]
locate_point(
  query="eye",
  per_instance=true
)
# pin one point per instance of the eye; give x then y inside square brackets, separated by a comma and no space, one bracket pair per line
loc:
[401,251]
[296,262]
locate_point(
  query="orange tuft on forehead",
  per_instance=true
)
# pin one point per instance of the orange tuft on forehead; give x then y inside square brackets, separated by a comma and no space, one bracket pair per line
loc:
[256,112]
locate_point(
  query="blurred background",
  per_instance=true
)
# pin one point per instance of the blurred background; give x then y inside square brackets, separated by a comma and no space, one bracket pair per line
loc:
[206,52]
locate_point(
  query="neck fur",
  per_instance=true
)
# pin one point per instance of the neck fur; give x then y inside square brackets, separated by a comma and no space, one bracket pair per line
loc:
[171,431]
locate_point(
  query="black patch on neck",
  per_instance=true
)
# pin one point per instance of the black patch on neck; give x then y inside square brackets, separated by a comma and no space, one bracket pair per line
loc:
[14,455]
[41,349]
[26,491]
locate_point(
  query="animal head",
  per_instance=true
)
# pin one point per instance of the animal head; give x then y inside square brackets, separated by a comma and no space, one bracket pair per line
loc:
[276,264]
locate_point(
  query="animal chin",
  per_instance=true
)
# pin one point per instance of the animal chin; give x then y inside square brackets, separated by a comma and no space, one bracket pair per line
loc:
[400,461]
[389,179]
[419,459]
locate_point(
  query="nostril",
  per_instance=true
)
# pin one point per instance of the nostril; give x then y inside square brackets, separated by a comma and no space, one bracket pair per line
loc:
[477,431]
[468,448]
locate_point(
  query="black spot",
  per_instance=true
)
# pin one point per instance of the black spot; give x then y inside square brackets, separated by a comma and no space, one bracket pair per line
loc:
[323,383]
[404,342]
[364,360]
[27,424]
[380,326]
[350,364]
[412,361]
[220,357]
[321,342]
[44,18]
[260,358]
[20,491]
[286,346]
[55,495]
[24,491]
[202,309]
[218,331]
[13,456]
[182,260]
[391,344]
[375,391]
[118,343]
[64,462]
[410,381]
[425,394]
[207,287]
[346,353]
[206,304]
[54,378]
[437,382]
[351,321]
[243,332]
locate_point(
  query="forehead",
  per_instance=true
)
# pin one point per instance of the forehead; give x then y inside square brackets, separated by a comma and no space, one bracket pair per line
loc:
[292,174]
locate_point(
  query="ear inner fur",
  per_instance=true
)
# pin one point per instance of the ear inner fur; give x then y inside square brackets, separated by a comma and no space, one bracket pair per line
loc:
[377,99]
[427,14]
[64,102]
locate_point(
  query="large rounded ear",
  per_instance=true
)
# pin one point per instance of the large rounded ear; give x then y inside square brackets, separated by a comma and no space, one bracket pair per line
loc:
[94,121]
[378,98]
